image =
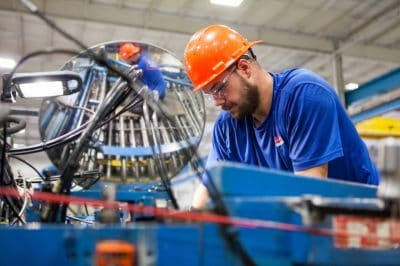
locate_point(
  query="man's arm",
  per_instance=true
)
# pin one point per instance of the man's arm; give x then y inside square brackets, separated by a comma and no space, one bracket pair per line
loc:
[200,197]
[318,171]
[313,124]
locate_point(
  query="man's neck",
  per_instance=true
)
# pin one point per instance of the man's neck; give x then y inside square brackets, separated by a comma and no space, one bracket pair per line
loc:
[265,89]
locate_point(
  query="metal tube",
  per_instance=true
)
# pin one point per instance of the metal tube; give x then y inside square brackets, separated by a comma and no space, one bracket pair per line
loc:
[122,144]
[135,165]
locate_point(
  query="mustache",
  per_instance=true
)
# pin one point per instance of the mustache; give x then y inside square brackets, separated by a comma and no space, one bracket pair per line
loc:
[227,105]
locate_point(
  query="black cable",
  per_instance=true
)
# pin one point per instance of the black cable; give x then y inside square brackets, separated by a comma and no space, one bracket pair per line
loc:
[28,4]
[117,94]
[28,164]
[8,200]
[227,233]
[60,140]
[4,135]
[123,110]
[163,175]
[220,208]
[231,238]
[60,103]
[67,137]
[20,124]
[86,209]
[3,152]
[41,146]
[13,208]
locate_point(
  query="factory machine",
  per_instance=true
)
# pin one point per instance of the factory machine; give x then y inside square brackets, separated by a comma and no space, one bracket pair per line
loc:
[135,131]
[108,198]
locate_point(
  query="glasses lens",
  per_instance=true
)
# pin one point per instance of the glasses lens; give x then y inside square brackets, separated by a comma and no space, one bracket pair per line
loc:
[217,88]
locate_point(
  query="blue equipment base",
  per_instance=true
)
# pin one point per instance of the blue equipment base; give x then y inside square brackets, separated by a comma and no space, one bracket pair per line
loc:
[248,192]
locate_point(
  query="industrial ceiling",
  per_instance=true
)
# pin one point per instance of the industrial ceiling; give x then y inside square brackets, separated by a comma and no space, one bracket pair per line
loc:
[295,33]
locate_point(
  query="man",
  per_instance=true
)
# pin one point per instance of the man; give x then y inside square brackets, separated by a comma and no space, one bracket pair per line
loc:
[152,76]
[290,121]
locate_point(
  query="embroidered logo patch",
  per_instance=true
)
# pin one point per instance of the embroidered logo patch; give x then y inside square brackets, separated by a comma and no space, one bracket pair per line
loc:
[278,141]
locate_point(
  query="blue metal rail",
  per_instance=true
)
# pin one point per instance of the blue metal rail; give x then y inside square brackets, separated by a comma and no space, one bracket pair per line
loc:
[376,86]
[383,84]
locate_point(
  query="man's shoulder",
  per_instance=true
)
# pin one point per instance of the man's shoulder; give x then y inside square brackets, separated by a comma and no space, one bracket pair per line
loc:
[300,80]
[296,76]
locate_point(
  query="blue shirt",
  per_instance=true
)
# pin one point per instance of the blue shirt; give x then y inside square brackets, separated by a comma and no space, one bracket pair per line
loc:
[307,126]
[152,76]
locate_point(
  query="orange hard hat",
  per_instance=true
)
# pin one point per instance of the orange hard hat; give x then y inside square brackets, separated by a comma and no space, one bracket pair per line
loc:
[211,51]
[127,50]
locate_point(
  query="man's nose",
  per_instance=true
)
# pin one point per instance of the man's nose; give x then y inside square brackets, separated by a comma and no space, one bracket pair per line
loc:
[219,100]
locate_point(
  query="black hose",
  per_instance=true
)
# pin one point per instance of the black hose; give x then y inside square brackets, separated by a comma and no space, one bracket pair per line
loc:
[28,164]
[231,238]
[20,124]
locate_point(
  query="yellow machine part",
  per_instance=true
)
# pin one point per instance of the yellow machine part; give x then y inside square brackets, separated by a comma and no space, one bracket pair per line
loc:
[379,127]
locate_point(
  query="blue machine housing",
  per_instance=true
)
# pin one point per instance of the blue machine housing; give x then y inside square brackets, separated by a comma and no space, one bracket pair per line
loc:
[248,192]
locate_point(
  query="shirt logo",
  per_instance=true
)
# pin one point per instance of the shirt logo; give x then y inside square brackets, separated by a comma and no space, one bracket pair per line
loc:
[278,141]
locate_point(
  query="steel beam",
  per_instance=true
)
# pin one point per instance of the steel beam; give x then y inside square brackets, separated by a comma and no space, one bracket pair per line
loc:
[384,83]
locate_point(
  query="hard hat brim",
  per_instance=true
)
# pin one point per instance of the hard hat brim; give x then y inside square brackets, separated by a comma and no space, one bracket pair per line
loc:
[227,64]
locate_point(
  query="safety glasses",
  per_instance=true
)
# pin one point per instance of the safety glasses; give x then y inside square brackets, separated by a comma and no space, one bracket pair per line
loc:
[218,89]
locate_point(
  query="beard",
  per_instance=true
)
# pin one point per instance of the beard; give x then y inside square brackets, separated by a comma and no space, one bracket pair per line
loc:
[250,98]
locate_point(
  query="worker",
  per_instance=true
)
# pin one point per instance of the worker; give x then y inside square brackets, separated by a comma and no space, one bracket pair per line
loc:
[151,76]
[291,121]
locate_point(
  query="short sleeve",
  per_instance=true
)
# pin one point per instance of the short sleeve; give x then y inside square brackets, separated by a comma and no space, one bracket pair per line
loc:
[313,129]
[219,149]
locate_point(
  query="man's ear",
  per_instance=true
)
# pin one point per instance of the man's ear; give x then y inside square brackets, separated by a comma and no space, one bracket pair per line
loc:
[244,67]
